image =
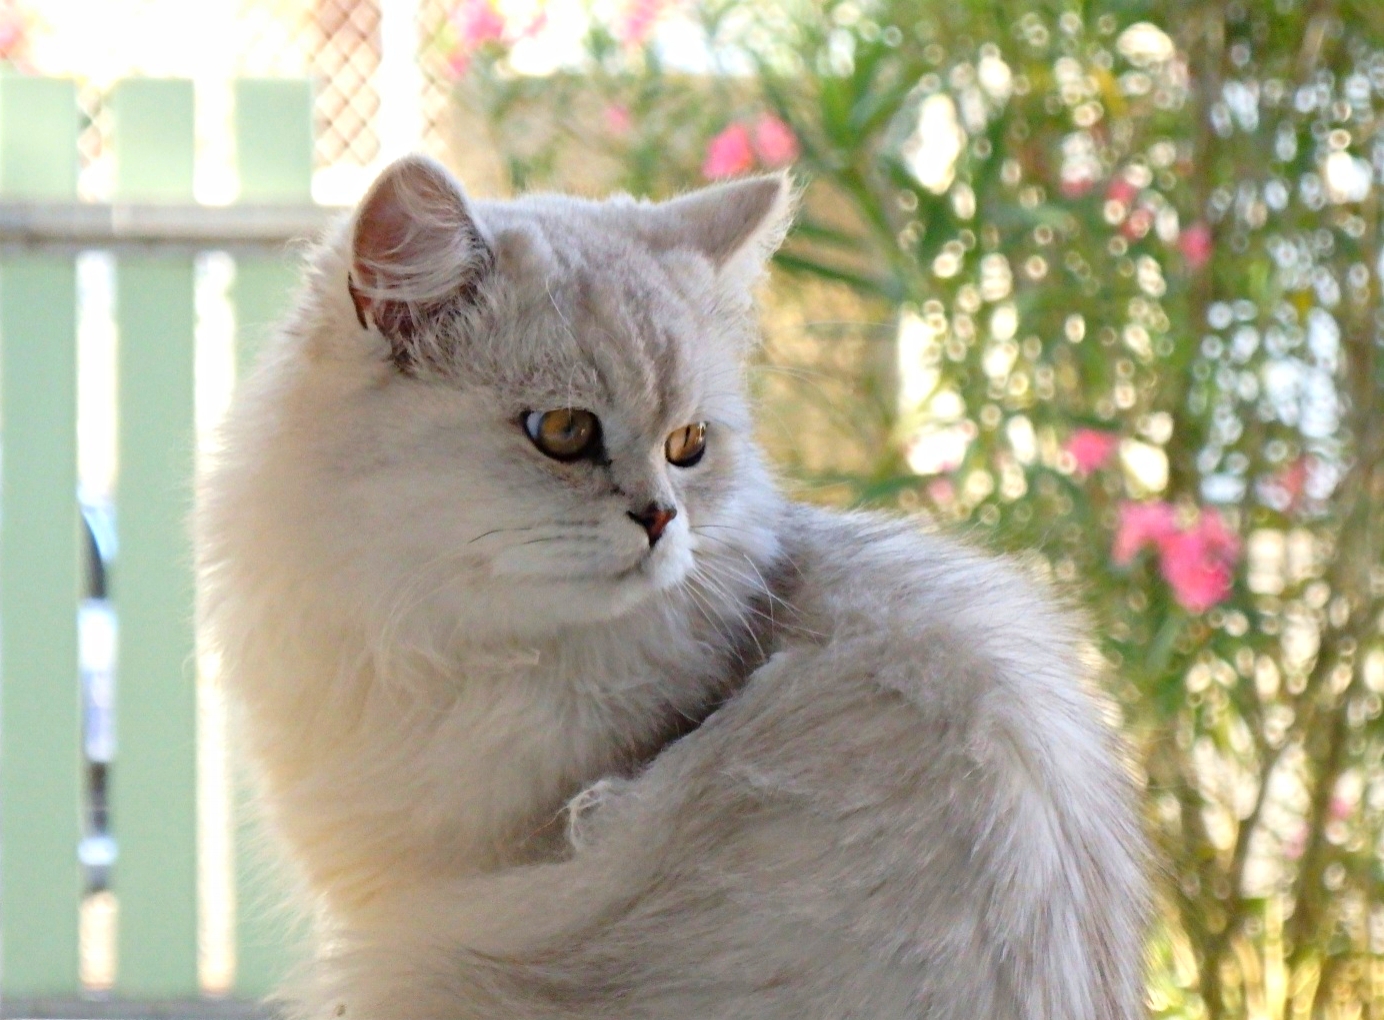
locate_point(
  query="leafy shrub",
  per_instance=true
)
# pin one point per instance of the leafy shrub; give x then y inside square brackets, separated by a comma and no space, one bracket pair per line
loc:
[1128,257]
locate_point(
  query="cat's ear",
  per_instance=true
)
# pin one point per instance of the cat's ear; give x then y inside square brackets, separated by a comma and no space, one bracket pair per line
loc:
[416,250]
[737,225]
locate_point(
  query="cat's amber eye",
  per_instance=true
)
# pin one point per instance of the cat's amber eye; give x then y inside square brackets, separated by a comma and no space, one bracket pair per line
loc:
[568,433]
[686,445]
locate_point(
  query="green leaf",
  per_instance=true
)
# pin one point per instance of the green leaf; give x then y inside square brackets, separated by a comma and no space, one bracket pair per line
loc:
[811,267]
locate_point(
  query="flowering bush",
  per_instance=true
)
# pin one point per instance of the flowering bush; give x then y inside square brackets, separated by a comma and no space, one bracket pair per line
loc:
[738,149]
[729,154]
[16,32]
[1091,449]
[1129,254]
[1198,561]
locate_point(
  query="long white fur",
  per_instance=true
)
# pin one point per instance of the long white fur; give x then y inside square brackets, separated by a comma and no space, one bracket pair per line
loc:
[906,804]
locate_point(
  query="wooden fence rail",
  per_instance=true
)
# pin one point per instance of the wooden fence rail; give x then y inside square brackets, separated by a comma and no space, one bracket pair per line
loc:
[155,229]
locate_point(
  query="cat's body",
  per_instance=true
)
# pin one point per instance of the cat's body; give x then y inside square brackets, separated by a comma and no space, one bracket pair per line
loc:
[436,635]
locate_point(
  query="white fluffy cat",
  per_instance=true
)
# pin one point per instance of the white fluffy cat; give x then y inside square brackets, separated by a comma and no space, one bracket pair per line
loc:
[488,533]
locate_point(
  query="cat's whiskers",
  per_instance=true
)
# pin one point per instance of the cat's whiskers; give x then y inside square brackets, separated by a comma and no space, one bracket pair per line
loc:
[581,535]
[714,619]
[763,584]
[790,621]
[587,539]
[413,590]
[758,584]
[737,553]
[721,618]
[724,581]
[532,527]
[743,530]
[742,607]
[764,587]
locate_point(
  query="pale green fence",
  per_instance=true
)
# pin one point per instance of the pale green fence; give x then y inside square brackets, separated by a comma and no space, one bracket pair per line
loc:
[154,230]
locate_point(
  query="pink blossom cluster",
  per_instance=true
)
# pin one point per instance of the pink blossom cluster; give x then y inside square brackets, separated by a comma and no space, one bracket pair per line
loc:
[1136,218]
[14,35]
[1197,560]
[638,20]
[477,22]
[1194,242]
[1077,185]
[1091,448]
[1287,489]
[769,142]
[1196,245]
[618,119]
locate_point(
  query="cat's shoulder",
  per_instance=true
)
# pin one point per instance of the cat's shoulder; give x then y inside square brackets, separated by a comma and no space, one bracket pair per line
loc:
[895,606]
[901,564]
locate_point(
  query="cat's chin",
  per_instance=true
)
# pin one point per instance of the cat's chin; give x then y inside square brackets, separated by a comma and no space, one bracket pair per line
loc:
[665,568]
[631,588]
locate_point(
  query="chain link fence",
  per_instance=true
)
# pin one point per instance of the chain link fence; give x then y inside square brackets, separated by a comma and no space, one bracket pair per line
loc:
[354,51]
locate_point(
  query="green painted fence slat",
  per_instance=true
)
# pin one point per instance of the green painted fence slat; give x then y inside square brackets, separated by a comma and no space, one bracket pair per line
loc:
[274,152]
[154,810]
[40,763]
[261,292]
[273,130]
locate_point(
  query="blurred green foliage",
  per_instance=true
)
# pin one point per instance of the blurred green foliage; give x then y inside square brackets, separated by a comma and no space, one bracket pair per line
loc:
[1130,254]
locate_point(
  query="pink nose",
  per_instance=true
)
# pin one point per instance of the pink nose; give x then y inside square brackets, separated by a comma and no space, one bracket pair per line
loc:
[654,518]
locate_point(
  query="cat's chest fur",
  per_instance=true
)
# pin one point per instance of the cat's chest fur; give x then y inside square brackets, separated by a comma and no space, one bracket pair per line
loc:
[466,764]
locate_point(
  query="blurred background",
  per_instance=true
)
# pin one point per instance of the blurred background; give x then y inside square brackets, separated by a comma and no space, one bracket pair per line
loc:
[1095,283]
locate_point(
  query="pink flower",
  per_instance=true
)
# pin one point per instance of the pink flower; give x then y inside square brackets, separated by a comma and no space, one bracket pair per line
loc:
[1122,190]
[1092,448]
[458,62]
[1142,524]
[774,141]
[1284,491]
[1198,563]
[1195,245]
[729,153]
[14,34]
[1294,478]
[1217,535]
[618,120]
[638,20]
[1295,843]
[941,491]
[1339,808]
[1076,185]
[1137,225]
[477,22]
[1199,578]
[535,26]
[11,33]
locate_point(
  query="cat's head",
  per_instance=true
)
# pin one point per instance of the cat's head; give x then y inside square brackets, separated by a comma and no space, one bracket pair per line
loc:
[530,414]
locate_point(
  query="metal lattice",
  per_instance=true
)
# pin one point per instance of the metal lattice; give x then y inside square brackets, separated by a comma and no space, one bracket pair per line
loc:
[438,102]
[93,145]
[337,43]
[345,49]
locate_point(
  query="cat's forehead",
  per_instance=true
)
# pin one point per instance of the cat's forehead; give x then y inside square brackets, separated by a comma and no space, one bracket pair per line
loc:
[600,321]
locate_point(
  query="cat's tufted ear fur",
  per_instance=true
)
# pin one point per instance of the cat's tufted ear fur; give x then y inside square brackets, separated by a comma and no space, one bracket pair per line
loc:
[737,225]
[416,251]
